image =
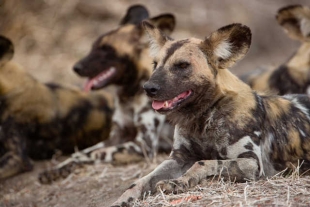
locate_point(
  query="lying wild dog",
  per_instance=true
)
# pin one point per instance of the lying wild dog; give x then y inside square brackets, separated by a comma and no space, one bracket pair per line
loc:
[36,119]
[294,75]
[222,126]
[121,58]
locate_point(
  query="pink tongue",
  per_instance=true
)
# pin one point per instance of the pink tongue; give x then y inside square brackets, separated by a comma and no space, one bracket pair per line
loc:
[88,85]
[158,104]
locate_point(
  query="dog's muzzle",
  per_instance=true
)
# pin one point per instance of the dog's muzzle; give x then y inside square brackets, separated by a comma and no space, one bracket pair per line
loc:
[151,89]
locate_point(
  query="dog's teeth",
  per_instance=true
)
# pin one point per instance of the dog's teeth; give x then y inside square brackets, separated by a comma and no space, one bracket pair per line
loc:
[166,104]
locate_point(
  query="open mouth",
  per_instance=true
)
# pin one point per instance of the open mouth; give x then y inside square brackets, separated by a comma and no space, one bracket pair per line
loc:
[100,80]
[172,103]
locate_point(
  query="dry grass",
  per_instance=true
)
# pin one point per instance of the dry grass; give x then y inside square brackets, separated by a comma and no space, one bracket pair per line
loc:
[276,191]
[101,184]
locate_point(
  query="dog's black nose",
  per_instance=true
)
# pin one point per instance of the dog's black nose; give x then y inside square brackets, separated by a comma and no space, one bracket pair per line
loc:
[151,88]
[78,67]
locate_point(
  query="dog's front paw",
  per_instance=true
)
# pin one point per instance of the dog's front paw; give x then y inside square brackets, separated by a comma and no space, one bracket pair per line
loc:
[49,176]
[133,193]
[172,186]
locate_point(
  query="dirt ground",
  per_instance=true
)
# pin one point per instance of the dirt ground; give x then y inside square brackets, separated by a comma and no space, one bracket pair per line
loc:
[100,185]
[51,35]
[91,186]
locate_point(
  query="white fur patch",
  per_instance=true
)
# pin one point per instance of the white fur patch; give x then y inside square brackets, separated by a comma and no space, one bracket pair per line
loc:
[120,115]
[179,140]
[154,48]
[299,105]
[305,27]
[233,151]
[147,119]
[266,150]
[223,50]
[257,133]
[302,133]
[93,148]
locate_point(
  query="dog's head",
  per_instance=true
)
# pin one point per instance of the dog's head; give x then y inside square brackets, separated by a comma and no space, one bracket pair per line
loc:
[295,20]
[188,72]
[116,56]
[12,75]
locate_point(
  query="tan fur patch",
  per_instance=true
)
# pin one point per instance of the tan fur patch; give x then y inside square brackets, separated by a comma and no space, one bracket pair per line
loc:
[260,83]
[299,65]
[293,149]
[12,78]
[277,107]
[128,35]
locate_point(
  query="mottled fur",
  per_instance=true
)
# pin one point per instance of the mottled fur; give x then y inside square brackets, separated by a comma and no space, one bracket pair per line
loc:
[121,58]
[294,75]
[37,119]
[223,127]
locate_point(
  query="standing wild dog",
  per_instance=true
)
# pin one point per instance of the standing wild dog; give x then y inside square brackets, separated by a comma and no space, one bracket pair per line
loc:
[223,127]
[121,58]
[36,119]
[294,75]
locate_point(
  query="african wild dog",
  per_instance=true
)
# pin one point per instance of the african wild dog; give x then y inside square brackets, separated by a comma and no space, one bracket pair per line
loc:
[37,119]
[121,58]
[222,126]
[294,75]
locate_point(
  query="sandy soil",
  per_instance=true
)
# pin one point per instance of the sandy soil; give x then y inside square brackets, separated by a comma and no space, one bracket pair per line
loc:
[51,35]
[91,186]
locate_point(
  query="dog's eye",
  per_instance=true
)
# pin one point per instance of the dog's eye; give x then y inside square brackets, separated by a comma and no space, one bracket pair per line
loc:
[154,65]
[182,65]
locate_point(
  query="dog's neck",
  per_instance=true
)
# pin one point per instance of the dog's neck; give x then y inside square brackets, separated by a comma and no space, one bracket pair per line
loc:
[141,72]
[298,65]
[228,93]
[132,85]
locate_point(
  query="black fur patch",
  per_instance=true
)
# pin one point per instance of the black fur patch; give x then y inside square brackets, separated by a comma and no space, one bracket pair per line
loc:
[249,146]
[174,47]
[201,163]
[282,81]
[53,86]
[6,46]
[156,122]
[135,14]
[131,186]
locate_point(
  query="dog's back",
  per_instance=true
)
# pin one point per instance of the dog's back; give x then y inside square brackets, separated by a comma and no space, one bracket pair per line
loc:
[39,119]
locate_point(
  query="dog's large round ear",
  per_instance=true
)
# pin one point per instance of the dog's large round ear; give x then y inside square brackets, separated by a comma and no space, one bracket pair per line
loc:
[227,45]
[135,15]
[6,49]
[164,22]
[295,20]
[156,38]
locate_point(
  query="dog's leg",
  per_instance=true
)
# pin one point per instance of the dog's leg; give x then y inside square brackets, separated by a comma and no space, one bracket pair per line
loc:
[169,169]
[63,169]
[240,169]
[15,160]
[12,164]
[149,125]
[121,154]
